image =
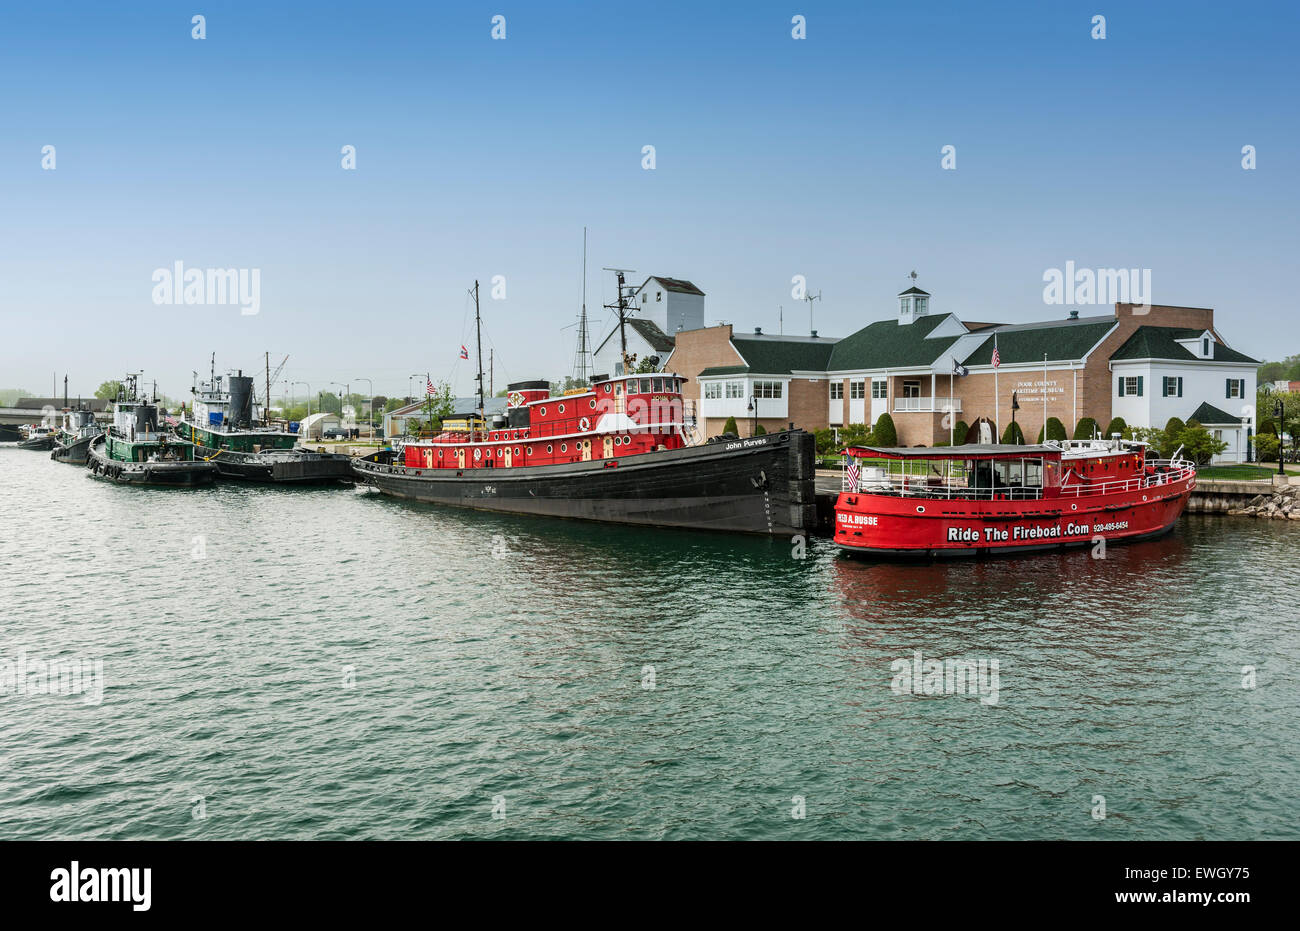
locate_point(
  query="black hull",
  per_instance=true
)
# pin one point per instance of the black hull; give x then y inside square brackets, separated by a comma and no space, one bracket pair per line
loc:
[40,443]
[299,467]
[760,485]
[77,453]
[9,434]
[167,474]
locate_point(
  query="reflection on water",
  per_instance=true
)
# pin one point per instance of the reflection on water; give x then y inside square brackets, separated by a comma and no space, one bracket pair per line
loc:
[617,682]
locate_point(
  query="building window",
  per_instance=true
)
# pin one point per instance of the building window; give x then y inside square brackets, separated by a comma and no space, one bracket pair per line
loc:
[857,389]
[735,389]
[1173,387]
[837,390]
[645,298]
[1236,388]
[1205,347]
[902,305]
[712,390]
[911,389]
[920,305]
[659,296]
[1130,386]
[879,388]
[767,389]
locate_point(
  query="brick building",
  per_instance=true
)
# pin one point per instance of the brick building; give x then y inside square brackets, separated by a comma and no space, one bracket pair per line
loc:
[931,371]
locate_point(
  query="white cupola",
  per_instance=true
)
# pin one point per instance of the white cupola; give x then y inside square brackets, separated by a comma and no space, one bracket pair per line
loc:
[912,303]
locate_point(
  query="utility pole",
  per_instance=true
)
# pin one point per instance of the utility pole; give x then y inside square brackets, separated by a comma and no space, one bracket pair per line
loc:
[621,306]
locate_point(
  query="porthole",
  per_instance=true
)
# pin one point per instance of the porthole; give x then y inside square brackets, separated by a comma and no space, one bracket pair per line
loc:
[564,447]
[440,454]
[592,403]
[920,509]
[541,411]
[516,450]
[607,388]
[561,408]
[530,450]
[1074,507]
[550,448]
[489,454]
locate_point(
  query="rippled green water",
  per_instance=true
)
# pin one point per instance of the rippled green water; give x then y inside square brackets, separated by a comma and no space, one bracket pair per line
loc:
[502,657]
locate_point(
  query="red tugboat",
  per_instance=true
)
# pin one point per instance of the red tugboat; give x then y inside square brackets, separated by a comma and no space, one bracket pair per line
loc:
[981,500]
[613,452]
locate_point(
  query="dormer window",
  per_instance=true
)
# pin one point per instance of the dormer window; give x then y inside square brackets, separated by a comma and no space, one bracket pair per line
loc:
[1205,347]
[920,306]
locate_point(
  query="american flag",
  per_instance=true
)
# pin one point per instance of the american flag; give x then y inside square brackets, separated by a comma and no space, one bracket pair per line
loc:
[997,359]
[851,474]
[428,388]
[464,353]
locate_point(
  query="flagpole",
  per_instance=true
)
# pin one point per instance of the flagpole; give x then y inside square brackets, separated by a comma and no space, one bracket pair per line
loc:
[997,407]
[1044,397]
[951,426]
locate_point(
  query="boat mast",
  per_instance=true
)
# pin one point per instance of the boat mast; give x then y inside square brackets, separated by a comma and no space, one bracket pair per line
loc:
[266,402]
[580,365]
[478,333]
[621,306]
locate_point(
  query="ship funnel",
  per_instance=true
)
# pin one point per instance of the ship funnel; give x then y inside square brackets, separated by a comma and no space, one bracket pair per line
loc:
[146,419]
[241,401]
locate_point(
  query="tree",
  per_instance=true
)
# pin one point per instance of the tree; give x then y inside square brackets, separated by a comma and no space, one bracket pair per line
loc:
[856,434]
[1199,445]
[646,366]
[959,431]
[1117,425]
[826,443]
[109,390]
[730,426]
[1055,429]
[885,434]
[1085,429]
[1013,436]
[1169,440]
[1266,445]
[760,430]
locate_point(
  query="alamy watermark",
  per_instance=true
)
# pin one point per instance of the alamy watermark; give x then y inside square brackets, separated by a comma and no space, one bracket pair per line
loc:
[28,676]
[1098,286]
[920,676]
[235,286]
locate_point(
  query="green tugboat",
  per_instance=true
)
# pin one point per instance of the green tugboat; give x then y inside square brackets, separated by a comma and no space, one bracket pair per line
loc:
[229,427]
[134,451]
[79,430]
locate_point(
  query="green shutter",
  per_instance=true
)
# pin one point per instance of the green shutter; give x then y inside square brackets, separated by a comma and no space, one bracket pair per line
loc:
[1121,386]
[1227,387]
[1180,386]
[1139,391]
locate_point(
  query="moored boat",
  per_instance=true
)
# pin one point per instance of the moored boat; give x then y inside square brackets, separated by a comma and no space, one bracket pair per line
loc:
[615,451]
[982,500]
[229,427]
[135,451]
[79,430]
[38,437]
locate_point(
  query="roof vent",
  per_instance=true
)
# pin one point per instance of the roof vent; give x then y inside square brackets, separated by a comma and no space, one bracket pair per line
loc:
[758,331]
[1074,315]
[814,334]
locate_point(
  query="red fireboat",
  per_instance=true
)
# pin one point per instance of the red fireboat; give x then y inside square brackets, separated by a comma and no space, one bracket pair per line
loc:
[980,500]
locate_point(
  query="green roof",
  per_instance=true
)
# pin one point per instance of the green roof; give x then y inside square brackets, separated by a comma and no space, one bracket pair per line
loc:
[724,370]
[776,356]
[1063,339]
[1159,342]
[1209,414]
[890,344]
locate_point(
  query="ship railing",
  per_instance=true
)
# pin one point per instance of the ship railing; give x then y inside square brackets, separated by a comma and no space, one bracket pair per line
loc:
[913,486]
[1167,472]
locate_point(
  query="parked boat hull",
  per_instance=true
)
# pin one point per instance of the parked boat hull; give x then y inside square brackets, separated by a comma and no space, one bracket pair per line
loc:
[172,474]
[74,453]
[761,485]
[292,466]
[38,442]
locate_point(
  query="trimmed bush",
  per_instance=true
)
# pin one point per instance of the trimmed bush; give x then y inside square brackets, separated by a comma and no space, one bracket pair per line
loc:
[1117,425]
[959,431]
[1014,435]
[1085,428]
[885,433]
[730,426]
[760,430]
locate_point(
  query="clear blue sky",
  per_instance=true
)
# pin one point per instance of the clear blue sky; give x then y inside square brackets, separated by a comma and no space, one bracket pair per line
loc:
[477,158]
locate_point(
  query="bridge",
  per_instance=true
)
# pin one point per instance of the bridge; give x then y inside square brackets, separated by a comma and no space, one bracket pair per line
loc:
[46,411]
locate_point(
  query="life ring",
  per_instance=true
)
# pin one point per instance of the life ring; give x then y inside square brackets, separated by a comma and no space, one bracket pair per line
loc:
[584,424]
[478,454]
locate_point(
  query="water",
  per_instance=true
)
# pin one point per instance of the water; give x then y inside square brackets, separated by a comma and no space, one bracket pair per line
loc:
[493,657]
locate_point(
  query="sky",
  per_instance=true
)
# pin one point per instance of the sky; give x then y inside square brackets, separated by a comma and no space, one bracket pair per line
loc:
[478,157]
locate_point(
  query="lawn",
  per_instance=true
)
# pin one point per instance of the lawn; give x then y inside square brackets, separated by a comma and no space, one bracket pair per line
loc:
[1241,473]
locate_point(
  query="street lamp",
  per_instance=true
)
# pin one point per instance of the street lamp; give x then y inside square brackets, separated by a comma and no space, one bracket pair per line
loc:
[370,387]
[753,410]
[1279,412]
[308,396]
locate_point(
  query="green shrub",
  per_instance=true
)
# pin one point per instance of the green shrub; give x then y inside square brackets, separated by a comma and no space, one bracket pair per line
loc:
[885,434]
[1055,429]
[1014,435]
[730,426]
[959,431]
[1117,425]
[1085,428]
[760,430]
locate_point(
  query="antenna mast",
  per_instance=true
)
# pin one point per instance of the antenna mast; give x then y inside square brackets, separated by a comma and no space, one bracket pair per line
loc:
[810,298]
[580,364]
[621,306]
[478,333]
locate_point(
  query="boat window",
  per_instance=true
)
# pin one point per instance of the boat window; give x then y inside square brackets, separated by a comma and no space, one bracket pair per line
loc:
[541,411]
[561,408]
[1034,473]
[658,384]
[564,447]
[645,386]
[592,403]
[550,448]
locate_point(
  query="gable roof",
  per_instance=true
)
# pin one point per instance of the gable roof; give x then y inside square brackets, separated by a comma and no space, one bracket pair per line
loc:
[1159,342]
[774,355]
[650,332]
[1059,339]
[680,285]
[890,344]
[1209,414]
